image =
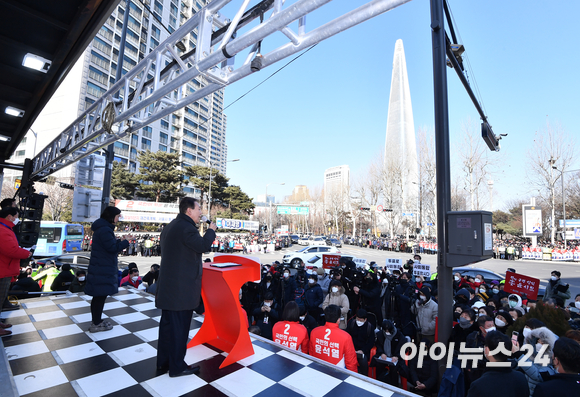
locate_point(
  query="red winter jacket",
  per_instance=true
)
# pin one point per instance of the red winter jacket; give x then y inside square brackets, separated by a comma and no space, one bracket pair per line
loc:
[291,334]
[10,252]
[333,345]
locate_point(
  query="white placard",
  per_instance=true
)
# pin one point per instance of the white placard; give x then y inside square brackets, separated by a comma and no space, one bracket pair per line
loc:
[393,264]
[422,269]
[360,262]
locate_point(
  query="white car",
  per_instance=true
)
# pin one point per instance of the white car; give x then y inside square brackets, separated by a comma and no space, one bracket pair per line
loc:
[303,241]
[297,257]
[312,240]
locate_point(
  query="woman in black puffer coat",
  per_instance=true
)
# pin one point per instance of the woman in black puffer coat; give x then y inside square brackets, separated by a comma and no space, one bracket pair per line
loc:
[102,277]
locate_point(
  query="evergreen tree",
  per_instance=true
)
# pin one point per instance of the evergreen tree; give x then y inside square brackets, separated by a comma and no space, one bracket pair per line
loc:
[238,200]
[553,318]
[123,182]
[161,178]
[199,177]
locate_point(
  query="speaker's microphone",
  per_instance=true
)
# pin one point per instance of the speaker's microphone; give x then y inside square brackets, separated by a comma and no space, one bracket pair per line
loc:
[204,219]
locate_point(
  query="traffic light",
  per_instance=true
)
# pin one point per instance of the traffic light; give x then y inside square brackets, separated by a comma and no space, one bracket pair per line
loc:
[365,208]
[66,185]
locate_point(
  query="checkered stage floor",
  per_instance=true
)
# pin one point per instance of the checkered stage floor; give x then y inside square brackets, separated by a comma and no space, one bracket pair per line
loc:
[51,353]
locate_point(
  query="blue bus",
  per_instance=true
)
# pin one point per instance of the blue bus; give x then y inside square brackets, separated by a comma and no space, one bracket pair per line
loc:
[57,238]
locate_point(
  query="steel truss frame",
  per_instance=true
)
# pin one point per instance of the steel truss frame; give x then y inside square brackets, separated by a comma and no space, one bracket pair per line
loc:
[123,109]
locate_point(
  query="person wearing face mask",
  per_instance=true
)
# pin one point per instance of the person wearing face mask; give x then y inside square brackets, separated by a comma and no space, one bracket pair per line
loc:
[271,284]
[338,298]
[10,256]
[363,339]
[574,308]
[542,339]
[566,382]
[287,286]
[266,315]
[386,359]
[134,279]
[458,282]
[324,281]
[313,297]
[426,310]
[465,326]
[557,288]
[78,283]
[474,340]
[503,320]
[515,302]
[483,293]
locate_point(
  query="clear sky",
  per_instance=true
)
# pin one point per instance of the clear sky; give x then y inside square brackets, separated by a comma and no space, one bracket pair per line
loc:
[330,106]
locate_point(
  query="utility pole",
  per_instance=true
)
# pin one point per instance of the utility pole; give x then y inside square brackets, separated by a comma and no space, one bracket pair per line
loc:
[443,175]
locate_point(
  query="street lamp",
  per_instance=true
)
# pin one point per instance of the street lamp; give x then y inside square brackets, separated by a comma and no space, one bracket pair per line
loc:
[563,199]
[270,205]
[210,179]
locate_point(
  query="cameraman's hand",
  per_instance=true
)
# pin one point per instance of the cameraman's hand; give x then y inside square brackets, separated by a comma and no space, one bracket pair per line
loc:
[356,289]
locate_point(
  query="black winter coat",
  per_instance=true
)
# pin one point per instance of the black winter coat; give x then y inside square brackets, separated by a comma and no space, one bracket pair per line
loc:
[179,283]
[509,383]
[102,275]
[559,385]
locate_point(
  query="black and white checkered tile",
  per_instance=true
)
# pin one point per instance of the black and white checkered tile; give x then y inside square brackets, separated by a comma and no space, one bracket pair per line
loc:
[51,353]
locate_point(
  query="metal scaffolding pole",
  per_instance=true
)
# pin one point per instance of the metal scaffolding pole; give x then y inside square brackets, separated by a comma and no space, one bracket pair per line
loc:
[123,109]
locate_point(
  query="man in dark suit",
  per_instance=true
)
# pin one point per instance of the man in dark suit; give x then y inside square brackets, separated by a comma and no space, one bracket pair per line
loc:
[179,285]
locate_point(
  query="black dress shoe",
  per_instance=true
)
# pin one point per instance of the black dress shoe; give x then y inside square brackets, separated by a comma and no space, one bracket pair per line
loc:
[190,370]
[9,306]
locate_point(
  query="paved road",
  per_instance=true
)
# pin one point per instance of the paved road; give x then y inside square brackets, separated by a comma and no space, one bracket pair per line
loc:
[538,269]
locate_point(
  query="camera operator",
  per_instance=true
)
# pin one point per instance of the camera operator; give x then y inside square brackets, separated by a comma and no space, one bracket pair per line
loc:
[388,305]
[370,296]
[405,297]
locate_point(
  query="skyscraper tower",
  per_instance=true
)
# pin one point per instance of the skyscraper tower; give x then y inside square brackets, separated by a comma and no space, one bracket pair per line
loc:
[400,147]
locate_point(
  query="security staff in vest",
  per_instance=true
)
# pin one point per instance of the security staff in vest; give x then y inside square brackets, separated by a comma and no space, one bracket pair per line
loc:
[179,285]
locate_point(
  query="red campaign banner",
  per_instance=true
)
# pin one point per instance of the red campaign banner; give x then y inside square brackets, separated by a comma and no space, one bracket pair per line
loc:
[238,247]
[516,283]
[330,261]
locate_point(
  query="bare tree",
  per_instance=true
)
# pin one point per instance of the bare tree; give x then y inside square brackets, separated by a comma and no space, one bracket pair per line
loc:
[58,203]
[552,147]
[427,176]
[477,164]
[8,190]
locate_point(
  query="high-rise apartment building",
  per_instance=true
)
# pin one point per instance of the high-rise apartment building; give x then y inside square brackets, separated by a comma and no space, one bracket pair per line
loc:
[337,184]
[197,132]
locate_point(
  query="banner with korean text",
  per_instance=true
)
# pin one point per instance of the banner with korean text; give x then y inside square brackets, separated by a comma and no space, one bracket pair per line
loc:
[516,283]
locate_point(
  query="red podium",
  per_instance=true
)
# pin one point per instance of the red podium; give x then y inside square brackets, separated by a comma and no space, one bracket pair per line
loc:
[225,321]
